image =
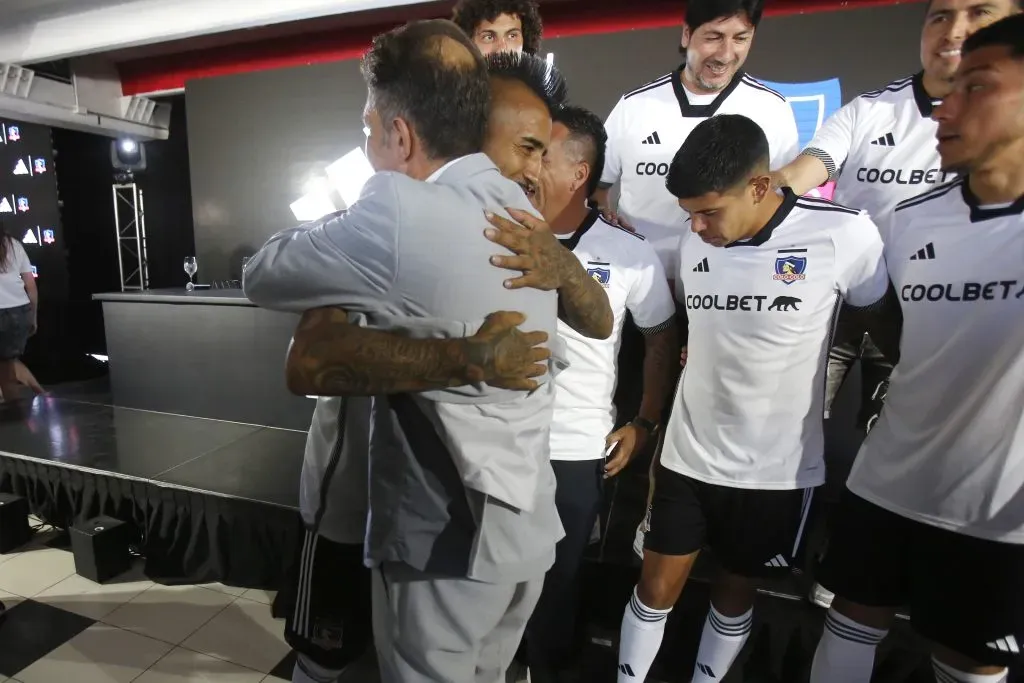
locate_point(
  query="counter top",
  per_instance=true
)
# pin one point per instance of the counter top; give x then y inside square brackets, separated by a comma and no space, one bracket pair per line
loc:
[222,297]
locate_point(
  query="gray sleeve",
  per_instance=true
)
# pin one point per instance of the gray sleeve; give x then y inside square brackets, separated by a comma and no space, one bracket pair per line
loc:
[347,259]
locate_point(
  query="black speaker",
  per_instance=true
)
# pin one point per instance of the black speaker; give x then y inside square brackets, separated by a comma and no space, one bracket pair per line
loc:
[14,529]
[100,546]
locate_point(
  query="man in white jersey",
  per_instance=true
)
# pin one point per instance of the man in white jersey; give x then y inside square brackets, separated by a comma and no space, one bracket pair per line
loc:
[584,416]
[880,150]
[933,516]
[648,124]
[762,275]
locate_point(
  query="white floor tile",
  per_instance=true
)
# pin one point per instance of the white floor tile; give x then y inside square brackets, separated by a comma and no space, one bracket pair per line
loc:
[169,613]
[93,600]
[186,666]
[266,597]
[32,572]
[99,654]
[221,588]
[9,601]
[245,633]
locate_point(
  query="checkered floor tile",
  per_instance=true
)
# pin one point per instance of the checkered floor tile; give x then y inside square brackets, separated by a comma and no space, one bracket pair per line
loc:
[61,626]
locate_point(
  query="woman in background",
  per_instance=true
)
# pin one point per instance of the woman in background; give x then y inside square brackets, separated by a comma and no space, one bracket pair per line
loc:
[18,305]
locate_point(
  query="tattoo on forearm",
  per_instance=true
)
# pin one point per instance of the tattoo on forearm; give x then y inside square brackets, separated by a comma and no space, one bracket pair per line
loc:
[582,301]
[661,367]
[332,357]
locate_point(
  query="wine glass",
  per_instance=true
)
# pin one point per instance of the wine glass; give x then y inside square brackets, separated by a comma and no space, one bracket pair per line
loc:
[191,266]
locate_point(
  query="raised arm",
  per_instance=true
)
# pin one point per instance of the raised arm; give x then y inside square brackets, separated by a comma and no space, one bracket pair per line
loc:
[330,356]
[824,156]
[546,264]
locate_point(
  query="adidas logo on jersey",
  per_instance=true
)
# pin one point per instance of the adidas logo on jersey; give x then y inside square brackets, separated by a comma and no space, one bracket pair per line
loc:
[886,140]
[777,561]
[627,670]
[926,253]
[1007,644]
[702,267]
[652,139]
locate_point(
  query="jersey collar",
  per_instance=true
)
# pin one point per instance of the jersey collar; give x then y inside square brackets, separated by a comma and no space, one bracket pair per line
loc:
[700,110]
[762,236]
[587,224]
[925,102]
[981,213]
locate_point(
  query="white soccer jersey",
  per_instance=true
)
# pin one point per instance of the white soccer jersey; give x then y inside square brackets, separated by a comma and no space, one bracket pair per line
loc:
[649,125]
[882,146]
[748,411]
[948,449]
[632,275]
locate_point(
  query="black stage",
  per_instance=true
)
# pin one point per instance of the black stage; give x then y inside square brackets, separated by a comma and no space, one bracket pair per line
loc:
[216,501]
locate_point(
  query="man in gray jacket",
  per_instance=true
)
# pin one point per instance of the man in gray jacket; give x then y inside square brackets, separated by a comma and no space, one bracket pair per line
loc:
[462,524]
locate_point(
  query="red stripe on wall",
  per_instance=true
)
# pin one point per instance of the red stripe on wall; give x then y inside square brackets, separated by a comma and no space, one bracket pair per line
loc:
[171,72]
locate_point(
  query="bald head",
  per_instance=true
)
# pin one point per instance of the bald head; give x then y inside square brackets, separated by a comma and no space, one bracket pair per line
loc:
[429,76]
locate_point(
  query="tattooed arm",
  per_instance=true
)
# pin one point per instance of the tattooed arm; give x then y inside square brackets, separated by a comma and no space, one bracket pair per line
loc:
[329,356]
[547,265]
[661,357]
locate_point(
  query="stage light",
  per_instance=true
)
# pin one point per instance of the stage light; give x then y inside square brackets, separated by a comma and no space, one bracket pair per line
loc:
[348,175]
[128,156]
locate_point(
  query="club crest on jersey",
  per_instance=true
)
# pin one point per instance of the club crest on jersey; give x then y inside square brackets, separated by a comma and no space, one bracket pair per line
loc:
[602,275]
[789,269]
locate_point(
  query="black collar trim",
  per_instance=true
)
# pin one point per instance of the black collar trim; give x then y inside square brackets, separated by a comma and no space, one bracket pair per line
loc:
[587,224]
[700,110]
[781,213]
[981,213]
[925,103]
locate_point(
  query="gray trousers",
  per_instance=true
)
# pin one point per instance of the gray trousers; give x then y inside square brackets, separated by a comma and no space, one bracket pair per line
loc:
[430,629]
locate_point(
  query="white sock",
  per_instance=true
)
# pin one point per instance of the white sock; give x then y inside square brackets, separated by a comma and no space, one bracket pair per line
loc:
[846,652]
[947,674]
[640,639]
[308,671]
[722,640]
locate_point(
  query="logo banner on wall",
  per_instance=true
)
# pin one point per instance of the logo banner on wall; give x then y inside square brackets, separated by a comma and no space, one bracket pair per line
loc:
[812,103]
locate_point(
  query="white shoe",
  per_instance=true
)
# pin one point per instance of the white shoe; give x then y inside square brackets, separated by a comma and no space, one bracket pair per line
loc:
[821,596]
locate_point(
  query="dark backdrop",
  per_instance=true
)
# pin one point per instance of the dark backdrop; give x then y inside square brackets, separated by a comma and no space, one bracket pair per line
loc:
[85,176]
[254,139]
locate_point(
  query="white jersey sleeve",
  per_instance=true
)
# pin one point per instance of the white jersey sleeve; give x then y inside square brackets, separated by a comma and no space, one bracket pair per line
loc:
[649,300]
[834,140]
[784,138]
[614,128]
[861,274]
[24,266]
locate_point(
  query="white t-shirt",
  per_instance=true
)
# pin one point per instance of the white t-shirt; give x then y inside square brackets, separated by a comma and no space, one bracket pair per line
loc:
[882,146]
[649,125]
[12,287]
[632,275]
[748,411]
[948,450]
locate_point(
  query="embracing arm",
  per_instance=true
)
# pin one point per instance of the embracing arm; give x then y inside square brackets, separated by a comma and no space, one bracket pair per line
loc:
[330,356]
[582,302]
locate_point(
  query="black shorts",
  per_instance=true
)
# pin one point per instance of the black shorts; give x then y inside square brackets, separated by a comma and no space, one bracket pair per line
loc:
[331,619]
[964,593]
[15,326]
[752,532]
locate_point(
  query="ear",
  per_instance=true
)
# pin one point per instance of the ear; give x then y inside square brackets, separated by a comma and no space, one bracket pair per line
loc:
[760,187]
[684,42]
[580,176]
[405,138]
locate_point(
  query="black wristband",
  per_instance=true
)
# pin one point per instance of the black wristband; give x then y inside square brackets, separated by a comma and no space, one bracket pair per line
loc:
[646,425]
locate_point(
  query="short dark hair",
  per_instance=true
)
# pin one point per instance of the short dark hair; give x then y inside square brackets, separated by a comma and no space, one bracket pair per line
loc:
[1007,32]
[720,153]
[412,73]
[469,14]
[700,12]
[542,78]
[587,131]
[928,7]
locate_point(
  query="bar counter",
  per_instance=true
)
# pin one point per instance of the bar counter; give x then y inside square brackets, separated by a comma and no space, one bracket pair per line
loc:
[207,353]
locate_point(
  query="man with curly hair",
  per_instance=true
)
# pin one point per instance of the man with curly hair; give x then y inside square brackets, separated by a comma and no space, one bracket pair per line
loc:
[501,25]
